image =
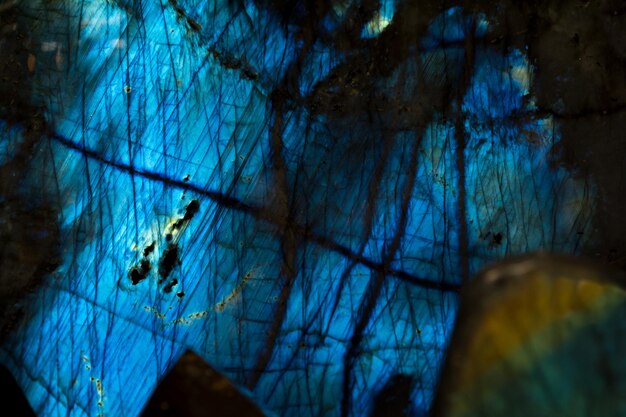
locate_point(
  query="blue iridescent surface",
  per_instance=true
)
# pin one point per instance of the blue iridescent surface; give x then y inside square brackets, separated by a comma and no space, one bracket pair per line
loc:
[327,248]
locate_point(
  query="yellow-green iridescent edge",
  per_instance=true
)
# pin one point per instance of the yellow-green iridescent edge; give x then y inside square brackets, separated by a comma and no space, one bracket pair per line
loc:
[525,332]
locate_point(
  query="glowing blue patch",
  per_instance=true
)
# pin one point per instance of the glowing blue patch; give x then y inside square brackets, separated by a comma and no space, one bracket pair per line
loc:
[380,21]
[151,113]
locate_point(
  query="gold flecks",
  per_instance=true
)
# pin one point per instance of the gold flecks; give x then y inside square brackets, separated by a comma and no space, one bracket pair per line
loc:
[154,311]
[181,320]
[85,359]
[198,315]
[96,381]
[190,318]
[100,391]
[219,307]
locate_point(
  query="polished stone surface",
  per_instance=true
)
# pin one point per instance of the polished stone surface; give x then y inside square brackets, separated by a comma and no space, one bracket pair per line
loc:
[295,191]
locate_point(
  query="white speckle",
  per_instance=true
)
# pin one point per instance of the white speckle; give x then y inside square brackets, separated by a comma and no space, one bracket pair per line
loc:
[118,44]
[49,46]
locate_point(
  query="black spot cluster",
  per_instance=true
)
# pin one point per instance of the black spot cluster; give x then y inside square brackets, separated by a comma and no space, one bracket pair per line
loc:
[190,211]
[170,257]
[168,261]
[495,238]
[140,272]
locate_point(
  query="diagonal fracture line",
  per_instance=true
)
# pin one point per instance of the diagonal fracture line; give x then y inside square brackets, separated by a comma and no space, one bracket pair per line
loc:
[259,213]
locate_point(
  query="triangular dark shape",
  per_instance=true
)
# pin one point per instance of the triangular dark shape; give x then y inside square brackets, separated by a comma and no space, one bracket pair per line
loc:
[394,399]
[193,389]
[13,400]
